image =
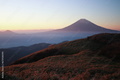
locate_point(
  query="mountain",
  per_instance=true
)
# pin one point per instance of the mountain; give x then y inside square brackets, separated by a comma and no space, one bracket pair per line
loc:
[7,33]
[84,25]
[96,57]
[12,54]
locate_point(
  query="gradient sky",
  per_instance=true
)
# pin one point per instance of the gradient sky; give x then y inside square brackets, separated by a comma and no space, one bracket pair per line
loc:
[55,14]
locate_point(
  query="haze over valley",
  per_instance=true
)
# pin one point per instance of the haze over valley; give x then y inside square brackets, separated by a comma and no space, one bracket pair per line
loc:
[80,29]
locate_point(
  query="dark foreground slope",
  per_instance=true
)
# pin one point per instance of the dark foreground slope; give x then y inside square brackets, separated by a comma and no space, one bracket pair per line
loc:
[13,54]
[94,58]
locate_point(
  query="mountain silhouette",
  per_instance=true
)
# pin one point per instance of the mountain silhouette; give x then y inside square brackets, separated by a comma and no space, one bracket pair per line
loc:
[7,32]
[84,25]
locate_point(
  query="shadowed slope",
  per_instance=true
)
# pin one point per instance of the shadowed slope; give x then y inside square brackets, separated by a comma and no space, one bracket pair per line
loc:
[13,54]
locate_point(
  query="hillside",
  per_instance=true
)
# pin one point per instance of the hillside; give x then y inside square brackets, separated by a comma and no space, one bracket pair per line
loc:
[14,53]
[94,43]
[93,58]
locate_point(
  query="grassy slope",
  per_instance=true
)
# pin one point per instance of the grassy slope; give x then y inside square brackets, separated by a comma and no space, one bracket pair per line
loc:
[94,43]
[82,59]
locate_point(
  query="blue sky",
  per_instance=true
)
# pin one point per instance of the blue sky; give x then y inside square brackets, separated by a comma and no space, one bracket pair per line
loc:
[55,14]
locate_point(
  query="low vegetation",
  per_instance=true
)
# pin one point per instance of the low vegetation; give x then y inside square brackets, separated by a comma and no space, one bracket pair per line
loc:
[93,58]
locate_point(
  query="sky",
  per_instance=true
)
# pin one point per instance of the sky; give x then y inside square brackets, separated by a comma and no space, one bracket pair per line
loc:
[56,14]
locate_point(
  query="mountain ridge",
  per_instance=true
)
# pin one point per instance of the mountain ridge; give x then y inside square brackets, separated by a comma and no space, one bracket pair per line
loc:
[94,43]
[14,53]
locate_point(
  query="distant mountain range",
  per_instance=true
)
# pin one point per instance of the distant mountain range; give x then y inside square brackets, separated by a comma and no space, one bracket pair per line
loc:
[12,54]
[81,25]
[95,57]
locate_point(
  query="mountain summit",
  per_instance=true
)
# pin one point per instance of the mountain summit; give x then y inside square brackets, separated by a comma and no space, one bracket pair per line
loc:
[84,25]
